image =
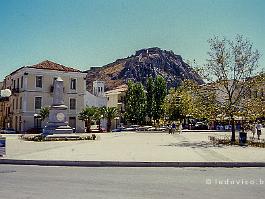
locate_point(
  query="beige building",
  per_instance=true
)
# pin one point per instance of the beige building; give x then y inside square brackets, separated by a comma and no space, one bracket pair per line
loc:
[116,98]
[32,89]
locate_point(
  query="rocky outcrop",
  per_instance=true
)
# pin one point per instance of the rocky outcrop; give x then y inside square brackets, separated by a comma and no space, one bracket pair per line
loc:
[145,63]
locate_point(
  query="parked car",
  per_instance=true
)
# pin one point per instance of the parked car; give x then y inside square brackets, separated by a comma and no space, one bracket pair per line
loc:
[119,129]
[162,128]
[8,131]
[152,129]
[144,128]
[95,129]
[132,128]
[200,126]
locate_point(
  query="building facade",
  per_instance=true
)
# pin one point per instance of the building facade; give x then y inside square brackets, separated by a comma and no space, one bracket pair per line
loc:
[32,89]
[116,98]
[97,98]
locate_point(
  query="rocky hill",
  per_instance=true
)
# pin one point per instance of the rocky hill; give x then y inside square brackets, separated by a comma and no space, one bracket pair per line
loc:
[145,63]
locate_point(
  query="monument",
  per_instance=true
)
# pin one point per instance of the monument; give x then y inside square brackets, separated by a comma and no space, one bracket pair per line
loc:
[57,121]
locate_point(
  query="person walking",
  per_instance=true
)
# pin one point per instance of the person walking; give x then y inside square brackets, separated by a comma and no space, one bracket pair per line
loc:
[173,127]
[258,127]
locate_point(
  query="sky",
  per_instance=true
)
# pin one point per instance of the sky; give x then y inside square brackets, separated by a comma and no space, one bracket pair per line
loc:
[84,33]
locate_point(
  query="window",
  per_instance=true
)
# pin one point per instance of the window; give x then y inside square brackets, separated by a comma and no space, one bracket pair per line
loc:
[37,102]
[73,84]
[39,81]
[22,81]
[17,103]
[20,103]
[72,104]
[13,104]
[17,82]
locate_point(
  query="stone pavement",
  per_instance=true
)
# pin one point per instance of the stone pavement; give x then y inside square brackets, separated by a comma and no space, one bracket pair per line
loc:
[130,146]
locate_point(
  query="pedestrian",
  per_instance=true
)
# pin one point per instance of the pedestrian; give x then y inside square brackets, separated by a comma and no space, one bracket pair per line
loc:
[173,126]
[252,128]
[180,128]
[258,127]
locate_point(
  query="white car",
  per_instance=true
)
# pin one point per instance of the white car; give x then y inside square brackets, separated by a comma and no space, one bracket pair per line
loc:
[8,131]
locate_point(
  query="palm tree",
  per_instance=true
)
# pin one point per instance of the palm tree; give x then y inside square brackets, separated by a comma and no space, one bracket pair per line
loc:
[109,113]
[44,113]
[87,115]
[98,115]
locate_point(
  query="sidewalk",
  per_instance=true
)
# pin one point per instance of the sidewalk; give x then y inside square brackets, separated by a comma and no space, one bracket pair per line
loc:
[135,147]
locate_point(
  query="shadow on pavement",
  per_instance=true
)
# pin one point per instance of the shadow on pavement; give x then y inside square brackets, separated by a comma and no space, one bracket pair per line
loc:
[202,144]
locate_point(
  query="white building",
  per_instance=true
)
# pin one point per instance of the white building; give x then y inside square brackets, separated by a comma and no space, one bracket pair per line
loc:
[32,89]
[98,98]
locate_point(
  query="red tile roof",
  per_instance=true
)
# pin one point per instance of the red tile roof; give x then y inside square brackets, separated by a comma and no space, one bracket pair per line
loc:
[49,65]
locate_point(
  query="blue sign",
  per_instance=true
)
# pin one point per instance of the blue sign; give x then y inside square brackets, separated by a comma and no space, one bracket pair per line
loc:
[2,146]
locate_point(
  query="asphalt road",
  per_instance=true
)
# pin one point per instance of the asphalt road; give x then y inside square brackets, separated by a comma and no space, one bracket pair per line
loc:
[26,182]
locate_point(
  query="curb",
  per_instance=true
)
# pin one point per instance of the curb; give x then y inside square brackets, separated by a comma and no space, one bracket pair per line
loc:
[130,164]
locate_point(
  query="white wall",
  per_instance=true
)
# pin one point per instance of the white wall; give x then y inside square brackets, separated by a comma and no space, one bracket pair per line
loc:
[92,100]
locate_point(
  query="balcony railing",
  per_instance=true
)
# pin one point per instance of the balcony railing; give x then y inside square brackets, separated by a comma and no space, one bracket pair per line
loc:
[15,90]
[4,99]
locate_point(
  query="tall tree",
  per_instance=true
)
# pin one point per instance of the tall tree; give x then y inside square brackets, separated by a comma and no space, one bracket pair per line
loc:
[135,105]
[99,113]
[109,113]
[149,97]
[179,102]
[160,91]
[230,66]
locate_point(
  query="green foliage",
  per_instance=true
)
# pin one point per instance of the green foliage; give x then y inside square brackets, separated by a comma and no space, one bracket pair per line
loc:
[149,97]
[178,103]
[109,113]
[159,93]
[44,113]
[135,104]
[230,65]
[87,114]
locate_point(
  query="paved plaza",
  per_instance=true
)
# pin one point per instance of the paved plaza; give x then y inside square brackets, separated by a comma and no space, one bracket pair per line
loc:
[131,146]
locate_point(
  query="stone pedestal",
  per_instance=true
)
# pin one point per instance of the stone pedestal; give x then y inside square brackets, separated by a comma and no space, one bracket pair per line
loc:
[57,122]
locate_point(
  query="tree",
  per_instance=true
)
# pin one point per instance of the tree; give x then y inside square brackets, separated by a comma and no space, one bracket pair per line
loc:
[87,115]
[178,103]
[109,113]
[230,66]
[135,104]
[99,113]
[253,104]
[149,97]
[160,91]
[44,113]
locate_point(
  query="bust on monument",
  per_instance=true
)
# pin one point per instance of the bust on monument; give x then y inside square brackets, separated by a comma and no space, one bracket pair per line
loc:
[57,122]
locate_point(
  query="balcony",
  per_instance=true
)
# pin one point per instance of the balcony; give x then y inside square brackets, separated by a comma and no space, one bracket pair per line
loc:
[4,99]
[15,90]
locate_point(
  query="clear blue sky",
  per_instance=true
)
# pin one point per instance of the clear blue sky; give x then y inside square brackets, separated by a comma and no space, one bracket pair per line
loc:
[84,33]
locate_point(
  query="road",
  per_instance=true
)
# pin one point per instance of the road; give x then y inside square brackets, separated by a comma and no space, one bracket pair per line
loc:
[26,182]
